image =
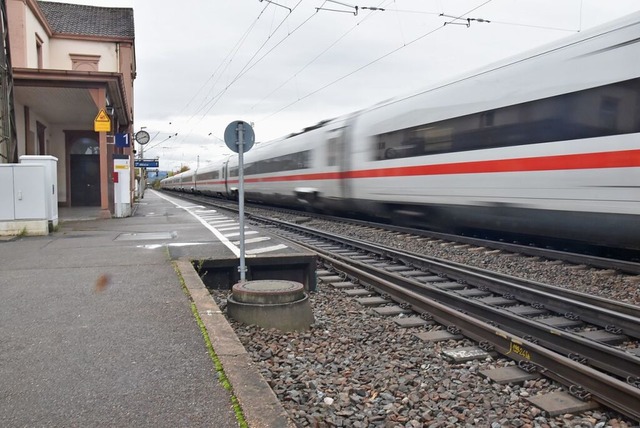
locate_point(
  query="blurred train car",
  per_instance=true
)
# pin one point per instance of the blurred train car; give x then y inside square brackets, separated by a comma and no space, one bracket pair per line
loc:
[173,183]
[546,144]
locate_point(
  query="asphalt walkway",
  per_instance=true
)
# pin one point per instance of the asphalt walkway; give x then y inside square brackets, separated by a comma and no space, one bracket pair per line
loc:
[96,330]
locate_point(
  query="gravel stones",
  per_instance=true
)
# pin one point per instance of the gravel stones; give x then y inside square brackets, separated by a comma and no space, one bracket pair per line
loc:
[354,368]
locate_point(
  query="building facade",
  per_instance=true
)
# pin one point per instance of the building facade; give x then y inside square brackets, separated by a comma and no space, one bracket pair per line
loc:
[69,62]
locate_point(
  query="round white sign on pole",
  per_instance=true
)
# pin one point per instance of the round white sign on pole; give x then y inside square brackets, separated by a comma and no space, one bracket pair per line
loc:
[231,137]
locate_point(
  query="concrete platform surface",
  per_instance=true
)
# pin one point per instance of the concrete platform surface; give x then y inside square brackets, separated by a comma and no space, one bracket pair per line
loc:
[96,330]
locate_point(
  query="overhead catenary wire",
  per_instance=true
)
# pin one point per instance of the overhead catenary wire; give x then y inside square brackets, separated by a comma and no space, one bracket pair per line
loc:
[228,58]
[278,4]
[393,51]
[312,61]
[541,27]
[243,71]
[209,103]
[247,68]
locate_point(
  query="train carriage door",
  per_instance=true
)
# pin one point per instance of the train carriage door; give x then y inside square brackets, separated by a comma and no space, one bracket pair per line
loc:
[340,155]
[225,178]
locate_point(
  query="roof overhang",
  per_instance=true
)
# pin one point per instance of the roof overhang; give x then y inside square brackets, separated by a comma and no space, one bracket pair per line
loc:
[61,95]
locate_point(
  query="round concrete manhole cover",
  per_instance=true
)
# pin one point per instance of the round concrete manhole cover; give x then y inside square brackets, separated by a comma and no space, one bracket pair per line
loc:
[268,291]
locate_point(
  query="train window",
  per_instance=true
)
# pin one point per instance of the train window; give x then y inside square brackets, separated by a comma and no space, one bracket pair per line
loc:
[335,146]
[487,118]
[211,175]
[289,162]
[333,151]
[608,112]
[595,112]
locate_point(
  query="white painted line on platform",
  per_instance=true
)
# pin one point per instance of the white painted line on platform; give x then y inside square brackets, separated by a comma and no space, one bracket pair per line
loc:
[173,244]
[248,232]
[186,207]
[253,240]
[226,229]
[222,222]
[206,211]
[235,250]
[214,217]
[266,249]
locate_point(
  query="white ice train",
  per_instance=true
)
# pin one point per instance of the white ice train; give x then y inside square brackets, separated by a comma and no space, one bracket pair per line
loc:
[546,143]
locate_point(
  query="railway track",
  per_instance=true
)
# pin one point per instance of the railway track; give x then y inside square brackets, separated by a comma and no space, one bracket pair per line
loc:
[568,336]
[474,303]
[530,250]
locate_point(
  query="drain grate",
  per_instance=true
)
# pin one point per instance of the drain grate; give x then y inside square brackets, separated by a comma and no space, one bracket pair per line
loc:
[146,236]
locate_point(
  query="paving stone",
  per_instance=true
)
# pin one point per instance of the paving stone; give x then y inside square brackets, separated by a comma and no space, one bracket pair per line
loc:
[364,259]
[380,265]
[527,311]
[347,253]
[560,322]
[438,336]
[413,321]
[604,336]
[391,310]
[413,273]
[473,292]
[560,403]
[451,285]
[353,292]
[509,374]
[344,284]
[332,278]
[497,301]
[431,278]
[329,247]
[373,301]
[398,268]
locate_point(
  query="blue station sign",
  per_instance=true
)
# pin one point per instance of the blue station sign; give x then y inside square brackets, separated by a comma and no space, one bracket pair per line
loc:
[146,163]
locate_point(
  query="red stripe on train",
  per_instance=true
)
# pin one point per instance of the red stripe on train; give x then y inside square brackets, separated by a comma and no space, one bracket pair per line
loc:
[619,159]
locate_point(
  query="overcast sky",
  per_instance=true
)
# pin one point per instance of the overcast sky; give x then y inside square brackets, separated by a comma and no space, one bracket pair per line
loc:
[287,65]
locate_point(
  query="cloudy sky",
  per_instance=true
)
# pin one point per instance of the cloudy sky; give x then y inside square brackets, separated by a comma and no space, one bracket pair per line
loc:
[288,64]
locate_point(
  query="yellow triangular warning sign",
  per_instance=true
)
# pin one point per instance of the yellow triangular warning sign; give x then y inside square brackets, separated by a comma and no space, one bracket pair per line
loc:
[102,116]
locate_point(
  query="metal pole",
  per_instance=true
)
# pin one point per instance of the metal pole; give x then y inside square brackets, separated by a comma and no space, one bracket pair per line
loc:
[240,129]
[143,181]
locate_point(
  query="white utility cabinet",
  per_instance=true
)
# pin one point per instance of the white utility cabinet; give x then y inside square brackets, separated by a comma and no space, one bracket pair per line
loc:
[24,208]
[50,164]
[7,205]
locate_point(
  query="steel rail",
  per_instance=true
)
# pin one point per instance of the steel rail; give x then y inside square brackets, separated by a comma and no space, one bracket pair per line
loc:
[576,258]
[613,393]
[593,309]
[451,310]
[595,261]
[598,355]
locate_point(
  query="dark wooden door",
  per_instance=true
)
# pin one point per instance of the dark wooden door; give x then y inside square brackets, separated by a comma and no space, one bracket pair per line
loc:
[85,180]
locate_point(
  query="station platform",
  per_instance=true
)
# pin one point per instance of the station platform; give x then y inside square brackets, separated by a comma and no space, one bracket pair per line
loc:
[99,323]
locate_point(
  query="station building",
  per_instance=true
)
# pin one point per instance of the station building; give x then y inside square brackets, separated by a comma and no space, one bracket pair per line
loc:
[71,64]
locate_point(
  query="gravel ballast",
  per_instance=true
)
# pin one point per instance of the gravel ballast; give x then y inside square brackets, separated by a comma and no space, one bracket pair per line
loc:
[354,368]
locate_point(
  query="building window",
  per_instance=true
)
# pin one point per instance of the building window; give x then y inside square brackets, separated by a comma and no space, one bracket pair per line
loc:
[85,146]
